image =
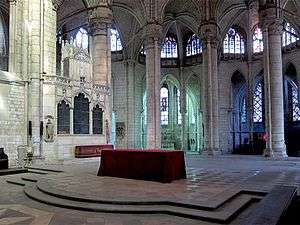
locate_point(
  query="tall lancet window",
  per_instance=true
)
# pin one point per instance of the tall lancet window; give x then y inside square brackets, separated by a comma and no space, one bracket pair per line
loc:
[289,35]
[194,46]
[82,39]
[169,48]
[115,40]
[258,44]
[234,42]
[164,106]
[258,103]
[295,104]
[179,117]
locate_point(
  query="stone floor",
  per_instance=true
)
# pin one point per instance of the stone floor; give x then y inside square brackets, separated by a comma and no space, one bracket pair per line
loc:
[210,190]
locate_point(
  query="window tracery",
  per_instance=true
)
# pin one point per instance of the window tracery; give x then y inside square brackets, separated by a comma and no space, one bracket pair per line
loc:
[289,35]
[194,46]
[258,103]
[82,39]
[115,40]
[164,106]
[258,44]
[234,42]
[169,48]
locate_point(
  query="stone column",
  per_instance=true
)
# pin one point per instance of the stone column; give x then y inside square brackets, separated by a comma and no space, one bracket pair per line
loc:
[210,37]
[273,27]
[100,19]
[90,118]
[183,111]
[130,91]
[153,75]
[12,35]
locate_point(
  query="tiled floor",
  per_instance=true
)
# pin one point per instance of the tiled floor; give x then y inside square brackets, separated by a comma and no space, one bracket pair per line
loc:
[209,180]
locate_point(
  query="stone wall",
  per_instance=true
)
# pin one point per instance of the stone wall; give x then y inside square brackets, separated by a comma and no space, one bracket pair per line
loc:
[13,130]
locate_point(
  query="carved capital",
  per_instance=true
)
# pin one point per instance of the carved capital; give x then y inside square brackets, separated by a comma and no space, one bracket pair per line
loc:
[12,2]
[97,3]
[56,4]
[271,19]
[152,33]
[100,20]
[210,33]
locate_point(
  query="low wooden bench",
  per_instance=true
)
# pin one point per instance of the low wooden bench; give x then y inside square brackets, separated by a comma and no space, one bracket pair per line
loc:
[87,151]
[270,209]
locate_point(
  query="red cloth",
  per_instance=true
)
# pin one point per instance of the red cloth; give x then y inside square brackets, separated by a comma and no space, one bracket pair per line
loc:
[91,150]
[154,165]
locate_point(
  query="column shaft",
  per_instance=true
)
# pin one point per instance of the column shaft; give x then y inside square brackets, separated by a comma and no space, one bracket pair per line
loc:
[153,93]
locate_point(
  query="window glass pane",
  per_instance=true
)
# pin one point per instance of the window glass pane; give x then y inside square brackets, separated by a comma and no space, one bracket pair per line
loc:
[81,114]
[169,48]
[97,120]
[115,41]
[295,102]
[164,106]
[194,46]
[63,118]
[289,35]
[233,42]
[258,104]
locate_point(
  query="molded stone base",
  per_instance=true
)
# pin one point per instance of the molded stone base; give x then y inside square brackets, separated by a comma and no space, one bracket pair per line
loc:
[275,153]
[211,152]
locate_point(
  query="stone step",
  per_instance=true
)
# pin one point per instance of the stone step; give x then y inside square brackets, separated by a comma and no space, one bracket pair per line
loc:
[209,205]
[44,169]
[11,171]
[222,215]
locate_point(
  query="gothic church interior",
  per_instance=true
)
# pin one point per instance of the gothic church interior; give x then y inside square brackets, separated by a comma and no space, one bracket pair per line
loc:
[213,78]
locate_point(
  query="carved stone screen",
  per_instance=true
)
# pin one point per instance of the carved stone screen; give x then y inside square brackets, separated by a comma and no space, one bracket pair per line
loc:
[63,118]
[97,120]
[81,114]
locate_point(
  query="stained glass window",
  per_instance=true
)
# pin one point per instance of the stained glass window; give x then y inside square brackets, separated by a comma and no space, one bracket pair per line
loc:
[194,46]
[179,117]
[3,48]
[258,103]
[234,42]
[289,35]
[243,111]
[115,41]
[97,120]
[143,51]
[63,118]
[169,48]
[81,114]
[164,106]
[258,44]
[82,39]
[295,104]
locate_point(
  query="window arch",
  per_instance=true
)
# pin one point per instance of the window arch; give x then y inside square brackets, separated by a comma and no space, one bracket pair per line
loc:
[169,48]
[194,46]
[82,39]
[63,118]
[258,44]
[115,40]
[258,103]
[289,35]
[164,106]
[234,42]
[81,114]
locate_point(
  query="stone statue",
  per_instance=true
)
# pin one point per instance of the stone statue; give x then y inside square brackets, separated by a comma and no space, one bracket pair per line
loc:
[107,132]
[49,130]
